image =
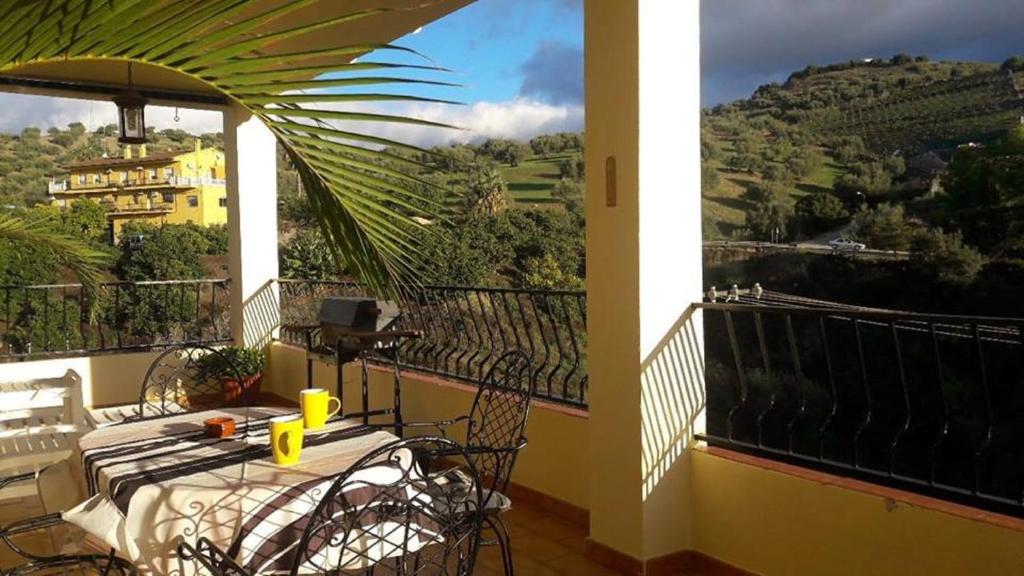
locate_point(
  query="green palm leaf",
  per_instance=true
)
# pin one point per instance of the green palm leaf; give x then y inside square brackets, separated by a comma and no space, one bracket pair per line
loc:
[86,262]
[365,198]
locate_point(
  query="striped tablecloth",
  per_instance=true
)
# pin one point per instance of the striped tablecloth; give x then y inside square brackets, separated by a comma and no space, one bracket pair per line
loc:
[152,482]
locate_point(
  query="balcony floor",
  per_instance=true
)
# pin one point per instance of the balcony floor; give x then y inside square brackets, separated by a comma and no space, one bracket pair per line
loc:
[544,544]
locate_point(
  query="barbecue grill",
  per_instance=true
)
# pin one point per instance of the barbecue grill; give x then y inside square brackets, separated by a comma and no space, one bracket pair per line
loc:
[352,328]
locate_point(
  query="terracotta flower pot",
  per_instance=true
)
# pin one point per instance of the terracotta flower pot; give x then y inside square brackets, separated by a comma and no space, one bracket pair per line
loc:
[233,389]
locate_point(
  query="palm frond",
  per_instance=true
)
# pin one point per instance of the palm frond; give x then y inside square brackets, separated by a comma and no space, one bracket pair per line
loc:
[86,262]
[365,198]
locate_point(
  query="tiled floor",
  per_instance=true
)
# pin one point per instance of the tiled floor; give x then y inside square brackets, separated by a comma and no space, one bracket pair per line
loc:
[543,544]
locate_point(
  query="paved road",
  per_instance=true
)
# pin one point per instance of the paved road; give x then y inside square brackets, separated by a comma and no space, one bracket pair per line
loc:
[809,247]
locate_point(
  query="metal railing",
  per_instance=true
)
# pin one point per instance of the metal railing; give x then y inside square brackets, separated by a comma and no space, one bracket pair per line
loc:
[928,403]
[466,329]
[63,320]
[196,181]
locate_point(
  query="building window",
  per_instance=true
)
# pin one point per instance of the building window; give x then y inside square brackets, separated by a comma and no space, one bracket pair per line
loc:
[169,197]
[223,202]
[152,173]
[168,172]
[124,176]
[193,201]
[81,178]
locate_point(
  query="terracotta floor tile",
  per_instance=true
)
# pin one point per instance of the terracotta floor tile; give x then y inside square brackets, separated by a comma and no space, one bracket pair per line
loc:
[542,544]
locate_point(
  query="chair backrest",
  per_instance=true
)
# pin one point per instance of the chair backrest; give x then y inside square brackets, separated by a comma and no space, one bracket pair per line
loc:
[409,508]
[189,379]
[498,417]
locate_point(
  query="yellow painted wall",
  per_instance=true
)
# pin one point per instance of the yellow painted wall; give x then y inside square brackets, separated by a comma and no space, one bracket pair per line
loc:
[554,462]
[770,523]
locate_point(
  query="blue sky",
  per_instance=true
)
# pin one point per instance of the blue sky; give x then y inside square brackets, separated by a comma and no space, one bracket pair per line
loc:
[519,64]
[499,47]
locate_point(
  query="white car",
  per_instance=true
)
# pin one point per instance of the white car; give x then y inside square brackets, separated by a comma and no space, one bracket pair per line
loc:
[846,245]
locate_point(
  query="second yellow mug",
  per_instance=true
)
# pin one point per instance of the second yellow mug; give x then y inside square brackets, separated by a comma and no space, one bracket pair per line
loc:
[316,403]
[286,439]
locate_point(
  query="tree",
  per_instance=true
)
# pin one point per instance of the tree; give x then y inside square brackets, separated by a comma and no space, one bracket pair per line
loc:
[767,220]
[778,173]
[984,189]
[307,257]
[1013,63]
[762,192]
[901,59]
[886,227]
[168,252]
[486,192]
[709,178]
[819,212]
[570,193]
[946,257]
[567,168]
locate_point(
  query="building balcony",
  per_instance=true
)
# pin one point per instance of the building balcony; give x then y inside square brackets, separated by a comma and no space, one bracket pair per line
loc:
[195,181]
[806,441]
[118,210]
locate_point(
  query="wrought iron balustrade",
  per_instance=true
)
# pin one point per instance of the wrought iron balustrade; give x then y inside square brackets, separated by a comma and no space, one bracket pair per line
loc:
[465,330]
[63,320]
[928,403]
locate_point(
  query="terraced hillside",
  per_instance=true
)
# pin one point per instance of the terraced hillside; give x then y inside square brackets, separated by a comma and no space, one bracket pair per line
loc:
[935,115]
[850,130]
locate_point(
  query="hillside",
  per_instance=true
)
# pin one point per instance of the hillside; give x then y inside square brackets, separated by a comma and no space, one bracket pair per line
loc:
[533,180]
[853,130]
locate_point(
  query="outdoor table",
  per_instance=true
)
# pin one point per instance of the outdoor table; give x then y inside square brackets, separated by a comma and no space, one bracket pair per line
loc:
[155,481]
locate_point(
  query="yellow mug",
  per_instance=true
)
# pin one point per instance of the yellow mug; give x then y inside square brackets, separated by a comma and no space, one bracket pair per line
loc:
[316,410]
[286,439]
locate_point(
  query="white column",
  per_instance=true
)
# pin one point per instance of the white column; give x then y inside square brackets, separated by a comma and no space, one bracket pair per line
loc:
[251,159]
[644,269]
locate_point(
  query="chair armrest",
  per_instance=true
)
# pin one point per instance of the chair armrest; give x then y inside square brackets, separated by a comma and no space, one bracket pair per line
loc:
[4,482]
[26,526]
[439,425]
[211,557]
[497,449]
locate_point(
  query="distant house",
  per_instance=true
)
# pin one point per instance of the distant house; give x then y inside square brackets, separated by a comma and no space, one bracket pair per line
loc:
[924,171]
[173,187]
[928,164]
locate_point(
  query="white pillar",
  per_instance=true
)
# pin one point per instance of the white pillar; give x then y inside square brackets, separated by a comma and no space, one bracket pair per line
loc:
[251,158]
[644,269]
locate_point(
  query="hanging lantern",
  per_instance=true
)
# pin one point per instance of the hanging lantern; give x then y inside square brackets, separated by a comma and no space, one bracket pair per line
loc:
[131,114]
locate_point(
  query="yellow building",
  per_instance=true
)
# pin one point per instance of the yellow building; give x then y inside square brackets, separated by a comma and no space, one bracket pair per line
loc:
[173,188]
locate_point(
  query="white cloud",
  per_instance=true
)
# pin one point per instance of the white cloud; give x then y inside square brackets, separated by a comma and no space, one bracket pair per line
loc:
[520,118]
[18,111]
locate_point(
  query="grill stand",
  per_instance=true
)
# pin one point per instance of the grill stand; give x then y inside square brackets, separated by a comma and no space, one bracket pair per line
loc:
[343,355]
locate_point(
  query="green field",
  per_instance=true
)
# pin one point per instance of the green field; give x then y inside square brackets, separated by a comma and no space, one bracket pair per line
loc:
[532,181]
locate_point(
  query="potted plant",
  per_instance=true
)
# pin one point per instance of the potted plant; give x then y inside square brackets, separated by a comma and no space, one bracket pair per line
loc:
[231,364]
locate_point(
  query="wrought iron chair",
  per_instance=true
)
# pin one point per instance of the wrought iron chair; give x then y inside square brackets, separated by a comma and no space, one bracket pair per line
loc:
[180,380]
[495,433]
[399,510]
[58,491]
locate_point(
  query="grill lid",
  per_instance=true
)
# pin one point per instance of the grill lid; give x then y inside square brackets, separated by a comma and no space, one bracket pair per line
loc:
[344,316]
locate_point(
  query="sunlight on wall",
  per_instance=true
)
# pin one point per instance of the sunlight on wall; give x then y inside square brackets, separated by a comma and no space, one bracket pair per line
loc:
[261,316]
[672,397]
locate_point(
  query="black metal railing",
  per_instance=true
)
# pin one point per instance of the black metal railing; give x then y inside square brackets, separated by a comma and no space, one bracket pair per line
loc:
[466,329]
[929,403]
[63,320]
